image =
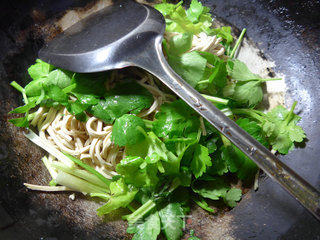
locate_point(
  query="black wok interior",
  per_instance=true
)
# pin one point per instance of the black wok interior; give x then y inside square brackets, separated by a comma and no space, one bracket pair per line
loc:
[287,32]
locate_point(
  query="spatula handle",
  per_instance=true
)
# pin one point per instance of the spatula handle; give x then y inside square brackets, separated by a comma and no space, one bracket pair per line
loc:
[300,189]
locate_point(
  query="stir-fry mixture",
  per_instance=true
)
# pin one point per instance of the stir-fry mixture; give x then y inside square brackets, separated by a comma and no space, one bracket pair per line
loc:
[124,138]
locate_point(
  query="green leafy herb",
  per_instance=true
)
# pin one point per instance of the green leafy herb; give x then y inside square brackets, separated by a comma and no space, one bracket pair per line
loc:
[232,197]
[180,43]
[126,131]
[148,229]
[195,11]
[40,69]
[175,119]
[125,98]
[194,20]
[281,129]
[213,189]
[239,71]
[224,33]
[166,8]
[248,93]
[217,74]
[136,172]
[201,160]
[254,129]
[190,66]
[172,223]
[219,165]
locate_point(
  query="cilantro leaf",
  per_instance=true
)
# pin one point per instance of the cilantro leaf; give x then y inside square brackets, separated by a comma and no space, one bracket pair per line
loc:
[211,144]
[175,119]
[39,70]
[213,189]
[190,66]
[56,94]
[218,74]
[180,43]
[121,196]
[154,151]
[166,8]
[195,20]
[232,196]
[238,162]
[25,108]
[149,229]
[20,122]
[249,93]
[89,85]
[77,109]
[43,73]
[219,165]
[172,223]
[125,98]
[201,160]
[34,87]
[194,11]
[137,173]
[125,130]
[281,129]
[239,71]
[60,78]
[224,33]
[253,129]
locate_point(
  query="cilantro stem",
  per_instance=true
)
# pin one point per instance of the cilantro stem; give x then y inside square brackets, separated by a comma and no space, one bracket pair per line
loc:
[203,81]
[104,196]
[69,88]
[149,205]
[216,99]
[174,185]
[248,112]
[132,209]
[269,79]
[203,205]
[238,43]
[289,116]
[227,111]
[140,212]
[20,89]
[31,116]
[225,140]
[17,86]
[148,123]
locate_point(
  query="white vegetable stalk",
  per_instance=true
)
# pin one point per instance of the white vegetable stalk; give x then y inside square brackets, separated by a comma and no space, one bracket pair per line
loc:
[83,174]
[51,170]
[47,188]
[43,144]
[77,184]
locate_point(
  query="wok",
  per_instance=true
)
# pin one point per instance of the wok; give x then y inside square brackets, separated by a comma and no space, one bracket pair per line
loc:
[286,32]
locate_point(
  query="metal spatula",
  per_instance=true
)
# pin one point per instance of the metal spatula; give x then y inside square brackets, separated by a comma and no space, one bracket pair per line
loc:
[130,34]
